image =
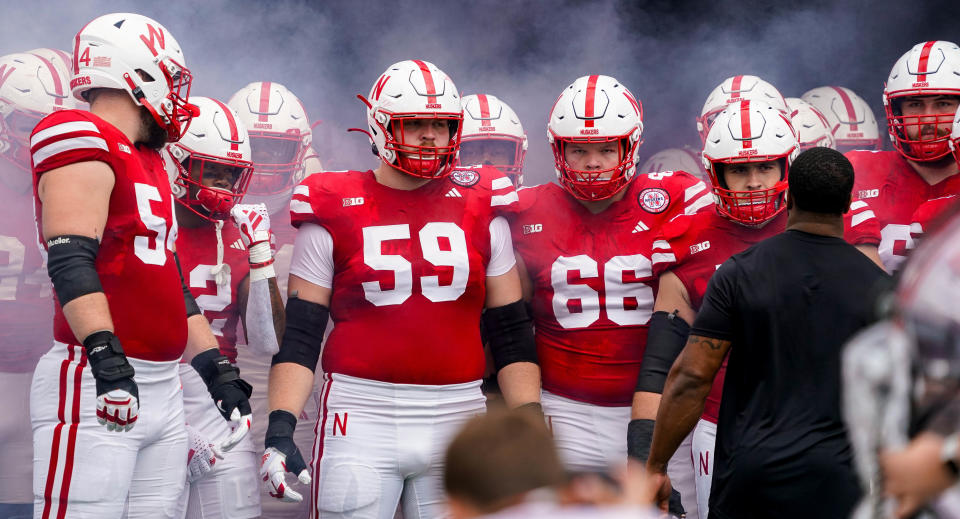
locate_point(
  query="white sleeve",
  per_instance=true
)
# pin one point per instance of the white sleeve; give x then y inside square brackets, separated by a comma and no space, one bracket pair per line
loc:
[501,248]
[313,255]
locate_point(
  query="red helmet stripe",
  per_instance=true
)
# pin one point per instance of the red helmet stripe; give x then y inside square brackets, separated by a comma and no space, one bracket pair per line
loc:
[735,87]
[924,58]
[745,132]
[234,134]
[264,101]
[848,104]
[590,100]
[484,109]
[57,84]
[428,80]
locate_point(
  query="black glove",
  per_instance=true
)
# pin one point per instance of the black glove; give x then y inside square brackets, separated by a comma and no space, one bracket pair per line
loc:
[118,398]
[228,390]
[674,506]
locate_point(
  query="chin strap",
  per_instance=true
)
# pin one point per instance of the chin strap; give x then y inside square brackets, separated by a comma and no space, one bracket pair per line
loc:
[220,271]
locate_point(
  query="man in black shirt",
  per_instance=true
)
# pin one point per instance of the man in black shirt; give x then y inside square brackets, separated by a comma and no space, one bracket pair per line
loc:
[783,309]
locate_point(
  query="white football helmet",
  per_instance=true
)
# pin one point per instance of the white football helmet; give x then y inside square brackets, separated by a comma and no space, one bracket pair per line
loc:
[849,117]
[812,127]
[489,123]
[750,131]
[409,92]
[61,59]
[217,147]
[676,159]
[280,138]
[596,109]
[732,90]
[928,69]
[31,87]
[134,53]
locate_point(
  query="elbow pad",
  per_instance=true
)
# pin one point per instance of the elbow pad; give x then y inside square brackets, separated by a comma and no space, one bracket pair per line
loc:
[509,331]
[303,334]
[71,264]
[188,301]
[665,340]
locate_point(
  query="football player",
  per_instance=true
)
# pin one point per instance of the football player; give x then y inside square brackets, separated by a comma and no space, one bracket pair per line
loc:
[747,154]
[493,136]
[849,117]
[811,126]
[230,273]
[585,244]
[124,316]
[733,90]
[920,98]
[32,89]
[281,139]
[404,258]
[927,215]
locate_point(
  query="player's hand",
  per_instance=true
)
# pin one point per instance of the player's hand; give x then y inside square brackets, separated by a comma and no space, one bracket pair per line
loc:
[253,221]
[202,455]
[282,456]
[915,475]
[659,490]
[118,398]
[230,392]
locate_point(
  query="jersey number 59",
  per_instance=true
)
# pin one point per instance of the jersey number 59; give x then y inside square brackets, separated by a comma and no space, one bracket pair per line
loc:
[452,254]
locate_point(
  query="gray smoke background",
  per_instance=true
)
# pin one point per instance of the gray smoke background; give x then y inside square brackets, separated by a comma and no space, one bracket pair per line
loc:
[670,54]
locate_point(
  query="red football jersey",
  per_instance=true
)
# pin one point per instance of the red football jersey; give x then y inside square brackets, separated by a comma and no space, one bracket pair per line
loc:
[887,181]
[927,214]
[593,284]
[860,224]
[693,247]
[409,279]
[135,263]
[197,251]
[25,306]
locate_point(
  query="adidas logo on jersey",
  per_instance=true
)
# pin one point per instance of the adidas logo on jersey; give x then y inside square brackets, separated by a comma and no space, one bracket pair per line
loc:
[532,228]
[453,193]
[640,227]
[348,202]
[237,244]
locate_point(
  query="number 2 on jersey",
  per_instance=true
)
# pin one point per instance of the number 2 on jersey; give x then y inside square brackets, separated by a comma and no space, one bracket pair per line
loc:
[430,243]
[615,291]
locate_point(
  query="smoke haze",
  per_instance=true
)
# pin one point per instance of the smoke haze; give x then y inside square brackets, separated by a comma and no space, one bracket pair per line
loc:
[670,54]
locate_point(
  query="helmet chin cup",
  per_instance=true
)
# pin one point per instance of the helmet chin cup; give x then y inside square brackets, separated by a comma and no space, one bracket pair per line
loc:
[217,202]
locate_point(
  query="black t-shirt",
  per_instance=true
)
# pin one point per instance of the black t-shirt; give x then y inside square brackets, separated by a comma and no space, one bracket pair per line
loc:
[788,304]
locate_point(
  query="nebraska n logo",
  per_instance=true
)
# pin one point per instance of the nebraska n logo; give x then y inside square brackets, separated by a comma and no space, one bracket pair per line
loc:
[156,35]
[382,82]
[5,72]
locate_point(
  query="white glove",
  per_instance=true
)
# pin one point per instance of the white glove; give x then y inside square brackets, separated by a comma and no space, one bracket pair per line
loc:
[253,222]
[202,455]
[272,469]
[118,409]
[241,426]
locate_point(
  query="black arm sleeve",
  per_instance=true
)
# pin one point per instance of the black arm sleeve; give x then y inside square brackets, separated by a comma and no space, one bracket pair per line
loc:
[509,330]
[71,264]
[188,300]
[665,340]
[303,334]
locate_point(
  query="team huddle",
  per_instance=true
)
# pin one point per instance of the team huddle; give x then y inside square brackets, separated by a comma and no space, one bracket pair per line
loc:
[214,287]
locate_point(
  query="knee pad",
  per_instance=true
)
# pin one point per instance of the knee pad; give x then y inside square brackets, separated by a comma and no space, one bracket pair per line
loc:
[347,486]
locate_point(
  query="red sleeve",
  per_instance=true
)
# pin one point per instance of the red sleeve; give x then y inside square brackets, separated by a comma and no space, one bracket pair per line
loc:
[503,196]
[668,250]
[860,225]
[312,199]
[67,137]
[694,193]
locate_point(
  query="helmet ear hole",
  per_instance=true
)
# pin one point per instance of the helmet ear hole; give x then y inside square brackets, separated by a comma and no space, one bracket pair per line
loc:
[373,148]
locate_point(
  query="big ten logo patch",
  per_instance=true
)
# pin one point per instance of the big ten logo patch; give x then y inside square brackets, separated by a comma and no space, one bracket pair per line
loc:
[532,228]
